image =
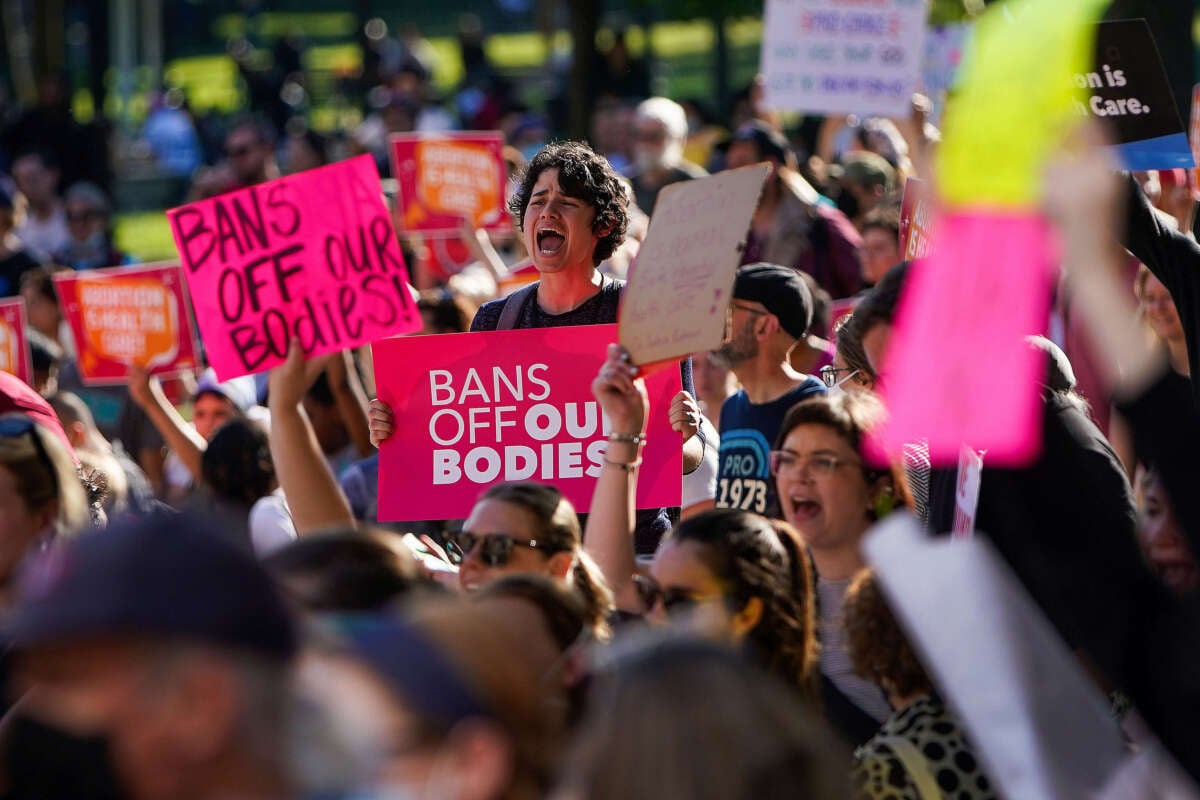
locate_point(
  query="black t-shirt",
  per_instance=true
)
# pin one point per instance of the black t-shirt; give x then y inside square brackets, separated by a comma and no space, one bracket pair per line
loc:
[599,309]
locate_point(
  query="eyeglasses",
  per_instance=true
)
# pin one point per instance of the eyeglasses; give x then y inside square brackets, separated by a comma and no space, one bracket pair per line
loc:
[829,374]
[494,549]
[749,309]
[818,465]
[674,601]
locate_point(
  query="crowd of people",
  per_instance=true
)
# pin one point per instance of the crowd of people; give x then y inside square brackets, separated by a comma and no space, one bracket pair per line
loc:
[199,600]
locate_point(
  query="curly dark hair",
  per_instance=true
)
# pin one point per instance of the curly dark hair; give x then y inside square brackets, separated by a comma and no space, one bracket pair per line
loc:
[876,643]
[753,557]
[587,176]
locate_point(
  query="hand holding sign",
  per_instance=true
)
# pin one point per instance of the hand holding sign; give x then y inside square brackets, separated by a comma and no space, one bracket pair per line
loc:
[310,256]
[680,286]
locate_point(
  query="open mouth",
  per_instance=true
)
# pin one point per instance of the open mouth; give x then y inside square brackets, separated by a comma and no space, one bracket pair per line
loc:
[804,509]
[550,242]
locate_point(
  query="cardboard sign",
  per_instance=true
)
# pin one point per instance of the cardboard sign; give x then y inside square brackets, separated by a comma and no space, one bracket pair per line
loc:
[1034,716]
[1128,88]
[445,177]
[984,386]
[311,256]
[834,57]
[916,220]
[128,316]
[681,283]
[966,493]
[14,347]
[476,409]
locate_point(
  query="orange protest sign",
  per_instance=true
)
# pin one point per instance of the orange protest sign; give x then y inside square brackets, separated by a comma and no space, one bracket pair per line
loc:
[445,179]
[128,316]
[14,348]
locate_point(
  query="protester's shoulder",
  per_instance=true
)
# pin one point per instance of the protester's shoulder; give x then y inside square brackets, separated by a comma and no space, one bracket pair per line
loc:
[488,315]
[808,387]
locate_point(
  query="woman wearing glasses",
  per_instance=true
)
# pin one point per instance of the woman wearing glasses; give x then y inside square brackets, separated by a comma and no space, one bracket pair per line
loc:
[729,575]
[529,528]
[831,497]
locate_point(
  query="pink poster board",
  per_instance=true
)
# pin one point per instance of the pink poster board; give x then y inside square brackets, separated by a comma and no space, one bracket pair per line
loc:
[916,220]
[957,367]
[476,409]
[312,256]
[445,177]
[128,316]
[14,347]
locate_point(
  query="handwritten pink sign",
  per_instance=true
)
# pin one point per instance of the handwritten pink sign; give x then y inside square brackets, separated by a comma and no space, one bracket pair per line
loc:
[311,256]
[475,409]
[957,367]
[14,347]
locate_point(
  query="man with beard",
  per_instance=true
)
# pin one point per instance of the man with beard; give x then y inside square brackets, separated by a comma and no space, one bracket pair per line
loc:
[771,310]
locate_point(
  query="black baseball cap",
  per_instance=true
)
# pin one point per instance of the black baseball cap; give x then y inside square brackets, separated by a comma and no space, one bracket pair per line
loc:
[164,575]
[781,290]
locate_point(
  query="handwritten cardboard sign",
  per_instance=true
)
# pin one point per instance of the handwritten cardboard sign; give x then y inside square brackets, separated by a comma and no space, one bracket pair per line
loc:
[311,256]
[680,286]
[14,347]
[834,57]
[916,220]
[128,316]
[445,177]
[984,386]
[1128,88]
[475,409]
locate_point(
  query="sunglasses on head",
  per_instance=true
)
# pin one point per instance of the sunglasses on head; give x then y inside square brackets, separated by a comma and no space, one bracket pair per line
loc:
[495,549]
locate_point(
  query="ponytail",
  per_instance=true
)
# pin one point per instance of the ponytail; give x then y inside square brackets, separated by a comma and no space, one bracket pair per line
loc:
[589,582]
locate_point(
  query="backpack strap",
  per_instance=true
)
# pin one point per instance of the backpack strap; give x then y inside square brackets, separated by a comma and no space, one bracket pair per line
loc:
[510,314]
[916,765]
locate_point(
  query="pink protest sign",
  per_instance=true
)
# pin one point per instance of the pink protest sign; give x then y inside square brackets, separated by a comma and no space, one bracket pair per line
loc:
[311,256]
[957,367]
[475,409]
[445,177]
[14,347]
[128,315]
[916,220]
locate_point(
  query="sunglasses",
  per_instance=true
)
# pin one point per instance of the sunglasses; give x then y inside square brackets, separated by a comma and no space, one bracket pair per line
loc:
[674,601]
[494,549]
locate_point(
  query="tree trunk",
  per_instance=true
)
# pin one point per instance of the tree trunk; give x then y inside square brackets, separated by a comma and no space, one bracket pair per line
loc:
[585,19]
[721,64]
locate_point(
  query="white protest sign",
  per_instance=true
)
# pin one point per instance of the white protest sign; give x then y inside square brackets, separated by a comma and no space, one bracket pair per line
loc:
[680,286]
[966,493]
[1041,728]
[843,56]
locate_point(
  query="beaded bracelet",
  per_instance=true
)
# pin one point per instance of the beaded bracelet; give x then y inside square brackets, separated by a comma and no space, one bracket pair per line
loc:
[631,438]
[622,465]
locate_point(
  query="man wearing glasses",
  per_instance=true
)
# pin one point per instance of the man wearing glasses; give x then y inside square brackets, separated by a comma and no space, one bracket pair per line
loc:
[771,311]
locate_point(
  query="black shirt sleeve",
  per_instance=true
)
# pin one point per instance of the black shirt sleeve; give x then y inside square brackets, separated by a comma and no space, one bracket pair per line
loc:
[1174,258]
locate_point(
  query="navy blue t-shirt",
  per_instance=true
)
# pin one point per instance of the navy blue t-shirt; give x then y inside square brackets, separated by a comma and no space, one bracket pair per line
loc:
[748,432]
